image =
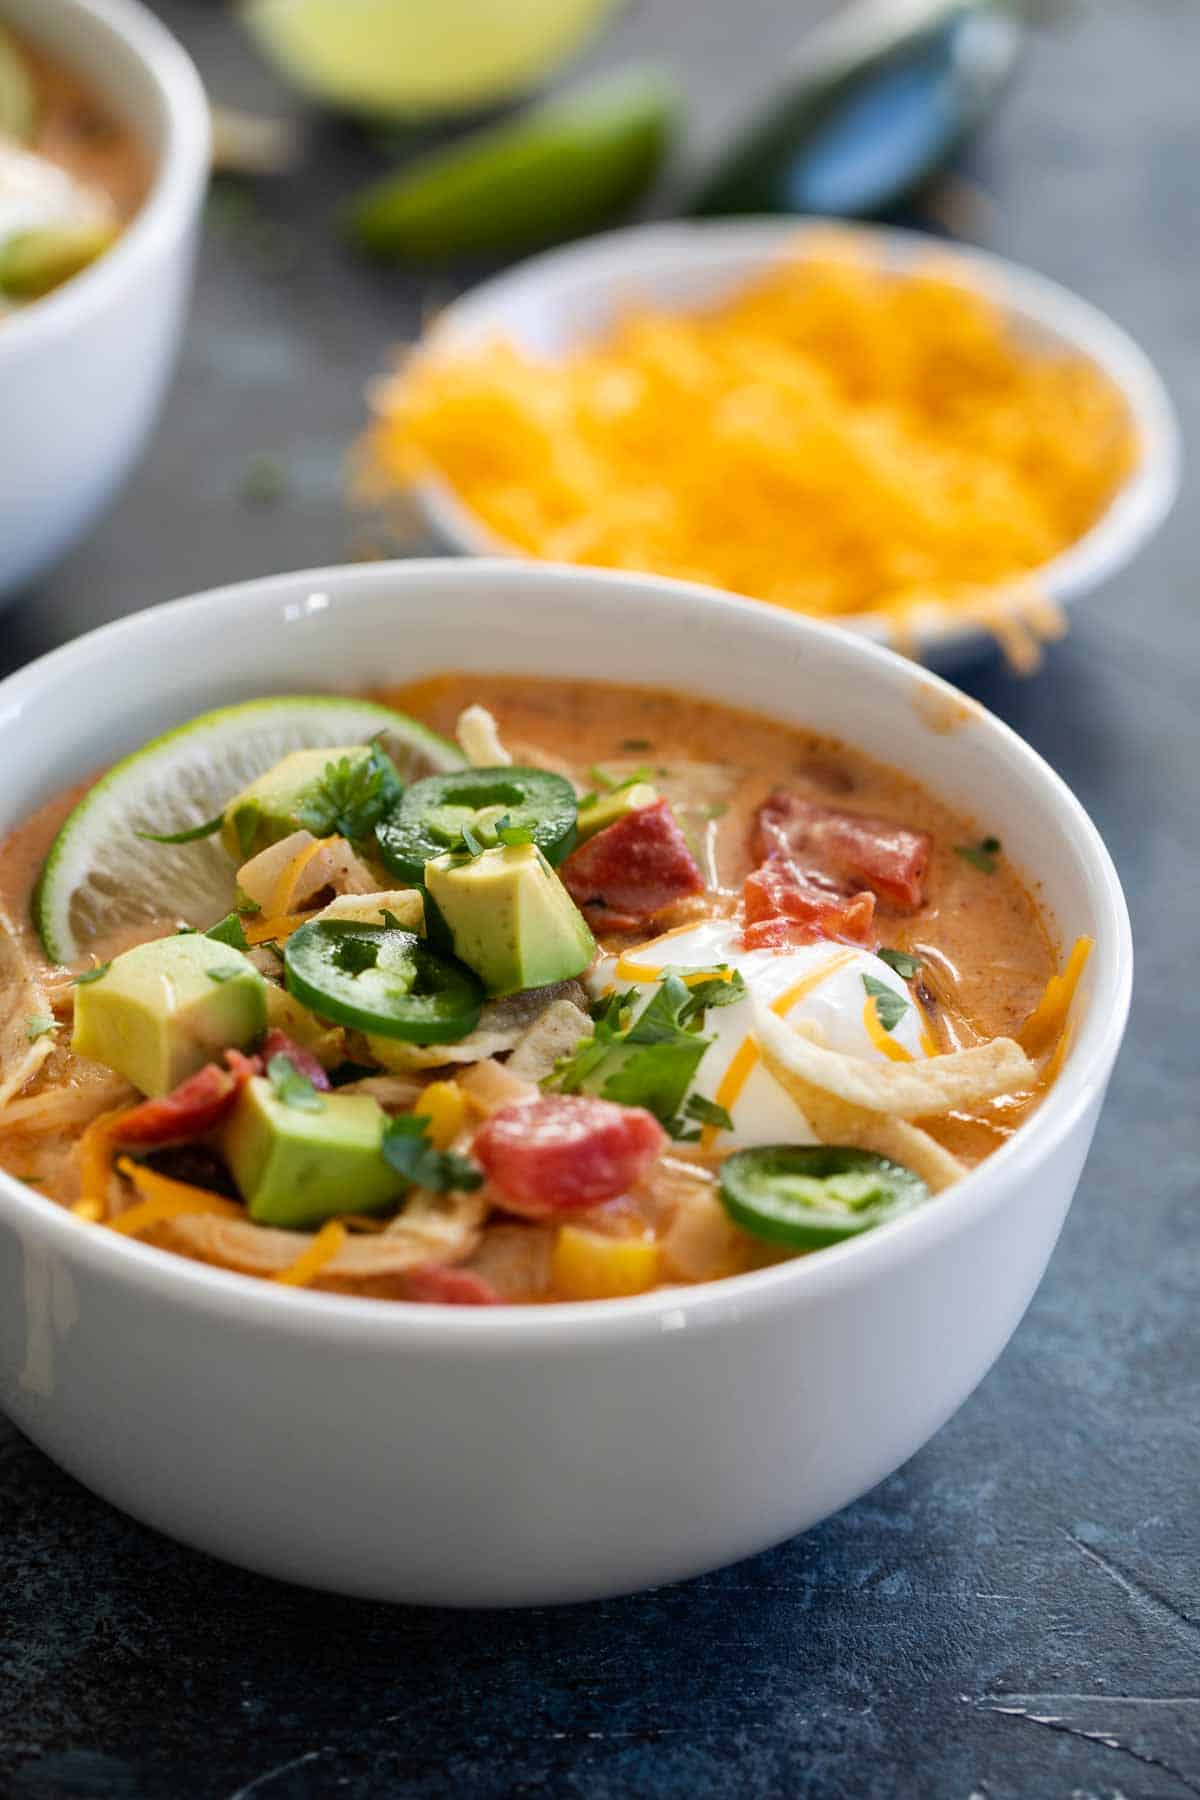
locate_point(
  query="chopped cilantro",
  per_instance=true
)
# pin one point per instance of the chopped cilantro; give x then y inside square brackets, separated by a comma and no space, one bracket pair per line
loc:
[636,744]
[91,975]
[614,784]
[472,843]
[264,480]
[291,1087]
[39,1025]
[351,797]
[890,1007]
[906,966]
[190,836]
[508,833]
[407,1149]
[229,930]
[708,1113]
[981,856]
[246,907]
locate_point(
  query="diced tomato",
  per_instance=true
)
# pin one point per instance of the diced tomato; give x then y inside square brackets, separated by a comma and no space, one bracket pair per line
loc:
[565,1151]
[856,851]
[785,904]
[192,1108]
[277,1043]
[435,1285]
[631,870]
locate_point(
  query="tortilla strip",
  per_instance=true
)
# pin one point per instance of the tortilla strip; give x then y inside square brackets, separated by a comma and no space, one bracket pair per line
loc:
[911,1090]
[502,1024]
[440,1228]
[22,998]
[555,1034]
[479,739]
[837,1121]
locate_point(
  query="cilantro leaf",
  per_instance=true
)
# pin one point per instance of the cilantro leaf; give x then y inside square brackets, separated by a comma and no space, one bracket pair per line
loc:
[184,837]
[351,796]
[708,1113]
[291,1087]
[91,975]
[614,784]
[473,844]
[981,856]
[657,1076]
[229,930]
[906,966]
[508,833]
[39,1025]
[890,1007]
[406,1148]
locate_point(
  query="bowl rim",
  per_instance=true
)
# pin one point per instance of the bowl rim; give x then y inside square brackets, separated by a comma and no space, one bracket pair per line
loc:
[384,1325]
[617,259]
[180,174]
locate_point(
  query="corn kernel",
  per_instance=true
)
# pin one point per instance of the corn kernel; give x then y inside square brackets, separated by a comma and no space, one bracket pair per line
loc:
[586,1266]
[444,1105]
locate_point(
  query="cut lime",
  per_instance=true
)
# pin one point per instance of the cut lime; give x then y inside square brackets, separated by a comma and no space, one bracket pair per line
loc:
[415,59]
[559,170]
[18,103]
[100,877]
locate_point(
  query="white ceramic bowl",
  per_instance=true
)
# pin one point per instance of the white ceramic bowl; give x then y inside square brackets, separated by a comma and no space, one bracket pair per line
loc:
[83,371]
[557,301]
[526,1454]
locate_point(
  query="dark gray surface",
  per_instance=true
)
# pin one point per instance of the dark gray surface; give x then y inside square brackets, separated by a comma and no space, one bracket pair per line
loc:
[1015,1615]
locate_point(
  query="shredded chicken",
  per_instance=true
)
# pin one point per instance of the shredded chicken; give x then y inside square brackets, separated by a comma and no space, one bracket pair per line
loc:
[553,1035]
[24,1006]
[283,878]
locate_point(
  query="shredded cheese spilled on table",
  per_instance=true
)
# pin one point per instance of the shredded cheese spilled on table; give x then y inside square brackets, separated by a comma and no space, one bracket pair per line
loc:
[832,437]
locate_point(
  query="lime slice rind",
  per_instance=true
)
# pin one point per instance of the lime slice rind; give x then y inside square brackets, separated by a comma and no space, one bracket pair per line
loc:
[101,878]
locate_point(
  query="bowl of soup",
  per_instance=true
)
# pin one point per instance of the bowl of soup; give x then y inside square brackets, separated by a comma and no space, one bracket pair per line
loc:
[103,161]
[506,1113]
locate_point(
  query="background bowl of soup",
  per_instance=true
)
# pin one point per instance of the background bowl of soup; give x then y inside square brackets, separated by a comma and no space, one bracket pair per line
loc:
[519,1454]
[83,367]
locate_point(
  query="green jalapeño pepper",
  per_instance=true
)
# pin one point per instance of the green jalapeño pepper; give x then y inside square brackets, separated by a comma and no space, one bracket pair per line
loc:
[811,1195]
[382,980]
[474,809]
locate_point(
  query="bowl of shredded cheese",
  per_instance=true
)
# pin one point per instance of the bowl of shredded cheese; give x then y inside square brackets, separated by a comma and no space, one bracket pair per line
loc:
[925,443]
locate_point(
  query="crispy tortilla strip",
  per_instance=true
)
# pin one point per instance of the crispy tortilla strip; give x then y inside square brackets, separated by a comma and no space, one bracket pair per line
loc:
[395,1093]
[502,1024]
[479,740]
[556,1033]
[912,1090]
[22,998]
[441,1228]
[70,1107]
[838,1121]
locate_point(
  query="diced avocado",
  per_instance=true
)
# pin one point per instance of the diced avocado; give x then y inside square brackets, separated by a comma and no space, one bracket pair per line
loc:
[162,1010]
[268,809]
[296,1166]
[510,918]
[611,807]
[404,904]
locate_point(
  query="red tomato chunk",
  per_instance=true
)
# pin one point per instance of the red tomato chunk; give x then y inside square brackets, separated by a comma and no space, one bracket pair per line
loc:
[565,1151]
[851,849]
[437,1285]
[629,871]
[192,1108]
[785,904]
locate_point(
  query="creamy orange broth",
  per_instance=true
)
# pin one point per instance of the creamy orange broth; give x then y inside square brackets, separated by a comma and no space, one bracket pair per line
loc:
[985,951]
[76,130]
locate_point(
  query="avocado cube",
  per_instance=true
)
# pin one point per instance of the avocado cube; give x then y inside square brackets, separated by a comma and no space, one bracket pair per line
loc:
[162,1010]
[611,807]
[267,810]
[510,918]
[296,1166]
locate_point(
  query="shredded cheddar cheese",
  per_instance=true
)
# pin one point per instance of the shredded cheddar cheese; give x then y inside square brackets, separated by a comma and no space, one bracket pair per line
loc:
[832,437]
[276,929]
[164,1199]
[322,1249]
[1047,1022]
[880,1036]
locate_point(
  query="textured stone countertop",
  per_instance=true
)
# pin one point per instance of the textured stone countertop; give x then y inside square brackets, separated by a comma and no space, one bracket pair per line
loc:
[1015,1614]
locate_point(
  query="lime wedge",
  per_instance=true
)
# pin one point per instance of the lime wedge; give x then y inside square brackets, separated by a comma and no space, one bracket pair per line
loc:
[411,58]
[101,877]
[18,103]
[560,169]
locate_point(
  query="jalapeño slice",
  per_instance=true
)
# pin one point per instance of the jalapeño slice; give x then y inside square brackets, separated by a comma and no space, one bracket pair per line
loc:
[810,1195]
[431,817]
[382,980]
